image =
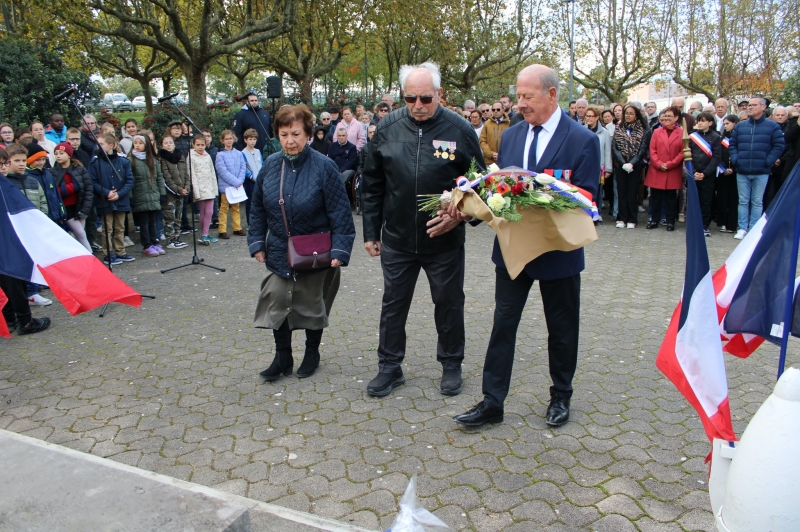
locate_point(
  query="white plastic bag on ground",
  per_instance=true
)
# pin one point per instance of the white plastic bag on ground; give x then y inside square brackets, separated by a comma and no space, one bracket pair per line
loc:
[413,518]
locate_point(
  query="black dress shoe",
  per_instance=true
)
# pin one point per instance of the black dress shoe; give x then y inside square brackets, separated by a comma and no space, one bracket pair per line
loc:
[652,225]
[558,411]
[384,383]
[670,227]
[480,414]
[451,382]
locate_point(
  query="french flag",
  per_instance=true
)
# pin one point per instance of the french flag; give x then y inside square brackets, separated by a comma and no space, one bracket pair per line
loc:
[691,354]
[33,248]
[751,285]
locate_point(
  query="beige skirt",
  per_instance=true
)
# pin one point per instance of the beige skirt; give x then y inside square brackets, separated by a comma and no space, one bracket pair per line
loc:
[306,302]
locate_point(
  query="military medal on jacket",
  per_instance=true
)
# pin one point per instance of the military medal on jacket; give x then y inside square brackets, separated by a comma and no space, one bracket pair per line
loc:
[446,149]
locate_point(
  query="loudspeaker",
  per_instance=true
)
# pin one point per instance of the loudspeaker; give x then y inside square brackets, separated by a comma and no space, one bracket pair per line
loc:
[274,87]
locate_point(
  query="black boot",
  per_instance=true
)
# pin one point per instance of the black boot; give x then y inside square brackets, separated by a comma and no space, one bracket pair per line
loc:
[283,361]
[311,357]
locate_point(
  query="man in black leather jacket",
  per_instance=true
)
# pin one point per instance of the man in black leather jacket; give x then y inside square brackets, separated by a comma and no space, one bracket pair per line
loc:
[420,149]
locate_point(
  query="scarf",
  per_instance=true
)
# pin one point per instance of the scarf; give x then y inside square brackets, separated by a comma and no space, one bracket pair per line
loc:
[140,155]
[628,144]
[173,157]
[294,157]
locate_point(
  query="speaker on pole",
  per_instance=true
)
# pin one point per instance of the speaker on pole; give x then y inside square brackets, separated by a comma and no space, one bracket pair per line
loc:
[274,87]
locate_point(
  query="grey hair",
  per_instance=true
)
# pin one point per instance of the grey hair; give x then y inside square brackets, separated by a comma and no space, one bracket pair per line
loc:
[549,79]
[584,100]
[324,114]
[432,68]
[468,102]
[780,108]
[650,101]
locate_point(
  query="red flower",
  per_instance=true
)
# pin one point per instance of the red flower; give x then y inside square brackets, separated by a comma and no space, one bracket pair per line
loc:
[517,189]
[502,187]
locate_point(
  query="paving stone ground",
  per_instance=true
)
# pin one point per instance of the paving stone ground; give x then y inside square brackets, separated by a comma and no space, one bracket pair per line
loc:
[173,388]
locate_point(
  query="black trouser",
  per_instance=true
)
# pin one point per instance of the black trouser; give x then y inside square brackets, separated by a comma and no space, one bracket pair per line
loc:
[91,226]
[561,299]
[249,187]
[146,220]
[727,204]
[705,190]
[283,338]
[670,200]
[628,194]
[185,214]
[774,185]
[17,309]
[445,272]
[608,192]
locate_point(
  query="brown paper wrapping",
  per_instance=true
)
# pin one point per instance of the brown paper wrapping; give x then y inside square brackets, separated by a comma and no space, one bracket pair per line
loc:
[540,230]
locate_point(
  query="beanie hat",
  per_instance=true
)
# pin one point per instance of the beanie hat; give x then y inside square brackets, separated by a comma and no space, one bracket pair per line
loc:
[66,146]
[35,152]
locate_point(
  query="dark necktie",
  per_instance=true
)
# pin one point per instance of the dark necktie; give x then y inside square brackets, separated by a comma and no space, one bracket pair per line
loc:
[532,151]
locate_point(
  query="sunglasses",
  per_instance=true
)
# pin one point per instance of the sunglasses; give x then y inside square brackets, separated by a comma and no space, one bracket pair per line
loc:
[413,99]
[326,118]
[498,109]
[385,110]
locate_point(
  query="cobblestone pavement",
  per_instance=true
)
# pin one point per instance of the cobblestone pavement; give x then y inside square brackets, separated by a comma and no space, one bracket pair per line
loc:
[174,388]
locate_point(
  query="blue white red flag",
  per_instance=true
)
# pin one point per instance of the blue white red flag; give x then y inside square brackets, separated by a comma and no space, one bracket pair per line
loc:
[3,325]
[757,305]
[33,248]
[691,353]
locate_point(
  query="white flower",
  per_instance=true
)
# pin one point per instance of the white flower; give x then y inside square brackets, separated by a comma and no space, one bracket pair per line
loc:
[496,202]
[544,179]
[445,199]
[493,168]
[541,198]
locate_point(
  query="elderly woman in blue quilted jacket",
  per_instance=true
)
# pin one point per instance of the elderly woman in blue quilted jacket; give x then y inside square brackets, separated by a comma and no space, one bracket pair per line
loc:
[315,201]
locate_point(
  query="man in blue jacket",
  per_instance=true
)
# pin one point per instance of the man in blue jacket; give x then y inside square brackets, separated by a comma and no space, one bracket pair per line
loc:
[755,145]
[547,138]
[345,154]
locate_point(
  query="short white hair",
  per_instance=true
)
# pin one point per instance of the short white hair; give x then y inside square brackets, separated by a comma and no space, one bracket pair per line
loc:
[324,114]
[469,103]
[582,100]
[780,108]
[432,68]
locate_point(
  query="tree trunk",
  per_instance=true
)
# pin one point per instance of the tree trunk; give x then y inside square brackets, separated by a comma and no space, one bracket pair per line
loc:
[165,83]
[196,83]
[305,91]
[148,96]
[241,84]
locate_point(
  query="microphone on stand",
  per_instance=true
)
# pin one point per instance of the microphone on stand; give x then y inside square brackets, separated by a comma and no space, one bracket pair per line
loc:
[64,94]
[165,98]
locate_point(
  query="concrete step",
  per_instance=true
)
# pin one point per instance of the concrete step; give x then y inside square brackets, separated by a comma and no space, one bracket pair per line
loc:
[49,488]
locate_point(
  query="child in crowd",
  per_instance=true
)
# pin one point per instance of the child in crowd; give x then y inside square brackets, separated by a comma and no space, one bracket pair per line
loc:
[148,188]
[176,180]
[204,186]
[131,130]
[231,170]
[37,130]
[254,161]
[37,159]
[6,135]
[75,188]
[113,184]
[17,310]
[706,157]
[212,150]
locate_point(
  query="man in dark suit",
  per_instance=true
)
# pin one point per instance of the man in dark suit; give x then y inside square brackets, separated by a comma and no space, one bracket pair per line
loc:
[546,139]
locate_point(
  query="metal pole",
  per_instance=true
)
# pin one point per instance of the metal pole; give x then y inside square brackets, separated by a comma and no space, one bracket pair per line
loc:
[366,71]
[571,49]
[787,314]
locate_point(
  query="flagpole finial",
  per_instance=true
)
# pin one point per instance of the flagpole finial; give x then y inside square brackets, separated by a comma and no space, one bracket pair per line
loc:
[687,151]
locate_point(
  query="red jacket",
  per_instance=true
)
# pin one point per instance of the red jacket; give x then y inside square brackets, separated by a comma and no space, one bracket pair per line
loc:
[666,149]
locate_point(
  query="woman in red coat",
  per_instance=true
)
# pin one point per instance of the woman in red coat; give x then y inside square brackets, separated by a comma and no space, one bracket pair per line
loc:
[665,173]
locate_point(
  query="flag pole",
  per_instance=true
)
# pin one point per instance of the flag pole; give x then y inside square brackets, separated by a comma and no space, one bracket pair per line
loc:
[787,314]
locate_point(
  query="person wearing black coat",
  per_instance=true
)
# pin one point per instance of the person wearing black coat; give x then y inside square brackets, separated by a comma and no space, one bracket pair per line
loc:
[706,156]
[792,137]
[321,142]
[252,117]
[344,154]
[74,184]
[727,199]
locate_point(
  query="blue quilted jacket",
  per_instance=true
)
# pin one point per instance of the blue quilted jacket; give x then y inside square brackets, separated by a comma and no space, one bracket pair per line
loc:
[315,202]
[755,145]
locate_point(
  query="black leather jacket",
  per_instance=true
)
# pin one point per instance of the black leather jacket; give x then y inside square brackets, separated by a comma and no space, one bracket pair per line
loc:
[401,164]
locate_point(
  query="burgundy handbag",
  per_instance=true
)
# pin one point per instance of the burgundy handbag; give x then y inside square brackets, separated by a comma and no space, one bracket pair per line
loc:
[305,252]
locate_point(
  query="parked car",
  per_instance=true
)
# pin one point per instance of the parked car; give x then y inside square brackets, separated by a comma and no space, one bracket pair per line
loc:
[115,101]
[140,105]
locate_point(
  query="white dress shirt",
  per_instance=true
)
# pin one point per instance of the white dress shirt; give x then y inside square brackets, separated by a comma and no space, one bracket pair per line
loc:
[548,129]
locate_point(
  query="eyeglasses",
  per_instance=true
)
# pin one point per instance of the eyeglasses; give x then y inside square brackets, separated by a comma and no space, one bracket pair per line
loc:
[413,99]
[486,110]
[5,163]
[326,118]
[383,110]
[498,109]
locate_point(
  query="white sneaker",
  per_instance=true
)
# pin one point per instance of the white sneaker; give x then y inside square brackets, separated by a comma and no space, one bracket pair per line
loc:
[127,242]
[620,225]
[740,234]
[641,209]
[38,301]
[631,226]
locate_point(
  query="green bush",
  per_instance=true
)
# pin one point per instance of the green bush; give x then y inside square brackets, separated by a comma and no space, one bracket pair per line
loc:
[216,117]
[30,77]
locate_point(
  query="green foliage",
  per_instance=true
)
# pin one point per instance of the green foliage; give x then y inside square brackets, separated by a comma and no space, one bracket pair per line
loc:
[30,77]
[216,117]
[791,90]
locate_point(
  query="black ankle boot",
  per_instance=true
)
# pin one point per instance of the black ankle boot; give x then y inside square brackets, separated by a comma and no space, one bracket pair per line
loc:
[283,361]
[311,357]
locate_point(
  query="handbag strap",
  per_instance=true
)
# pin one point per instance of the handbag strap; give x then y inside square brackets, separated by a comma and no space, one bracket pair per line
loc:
[280,201]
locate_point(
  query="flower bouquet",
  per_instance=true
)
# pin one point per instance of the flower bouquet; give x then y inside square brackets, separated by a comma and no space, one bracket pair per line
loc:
[531,213]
